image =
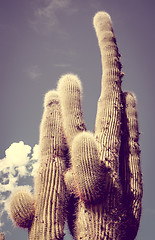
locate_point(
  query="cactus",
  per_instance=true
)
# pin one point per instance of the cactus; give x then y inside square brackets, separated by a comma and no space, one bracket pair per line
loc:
[50,194]
[22,208]
[105,174]
[91,180]
[49,183]
[2,237]
[130,170]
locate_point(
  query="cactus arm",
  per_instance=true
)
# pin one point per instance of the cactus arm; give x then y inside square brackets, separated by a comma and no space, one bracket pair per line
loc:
[92,177]
[21,209]
[89,173]
[130,169]
[102,220]
[70,92]
[49,184]
[108,118]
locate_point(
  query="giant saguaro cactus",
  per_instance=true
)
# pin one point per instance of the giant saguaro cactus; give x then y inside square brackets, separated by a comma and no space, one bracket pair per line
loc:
[105,166]
[98,174]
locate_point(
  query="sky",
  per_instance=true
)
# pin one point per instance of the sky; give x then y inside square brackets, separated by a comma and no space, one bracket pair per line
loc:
[40,40]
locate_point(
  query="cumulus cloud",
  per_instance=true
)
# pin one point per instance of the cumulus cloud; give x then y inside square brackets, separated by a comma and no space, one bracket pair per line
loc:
[20,162]
[45,15]
[35,152]
[17,154]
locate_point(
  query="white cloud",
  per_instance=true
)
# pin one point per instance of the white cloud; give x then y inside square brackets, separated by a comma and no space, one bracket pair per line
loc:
[35,168]
[45,17]
[17,154]
[20,162]
[34,72]
[35,156]
[35,152]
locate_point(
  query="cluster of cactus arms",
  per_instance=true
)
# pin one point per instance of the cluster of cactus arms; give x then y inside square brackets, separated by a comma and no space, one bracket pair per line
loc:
[92,181]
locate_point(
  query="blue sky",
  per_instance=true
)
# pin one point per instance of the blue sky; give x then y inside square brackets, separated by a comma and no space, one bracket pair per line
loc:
[43,39]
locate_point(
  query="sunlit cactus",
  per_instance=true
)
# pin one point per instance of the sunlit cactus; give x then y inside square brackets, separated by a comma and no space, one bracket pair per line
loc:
[89,173]
[22,208]
[105,178]
[91,180]
[70,93]
[49,188]
[50,196]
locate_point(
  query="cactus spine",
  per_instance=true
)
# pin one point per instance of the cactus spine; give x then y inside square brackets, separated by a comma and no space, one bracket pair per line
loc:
[98,172]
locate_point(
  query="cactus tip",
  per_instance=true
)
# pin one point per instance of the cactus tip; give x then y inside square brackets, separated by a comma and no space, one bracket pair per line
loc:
[50,97]
[130,98]
[101,17]
[69,80]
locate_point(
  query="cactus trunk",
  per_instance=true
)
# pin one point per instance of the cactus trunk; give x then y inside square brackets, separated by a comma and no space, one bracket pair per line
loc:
[49,185]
